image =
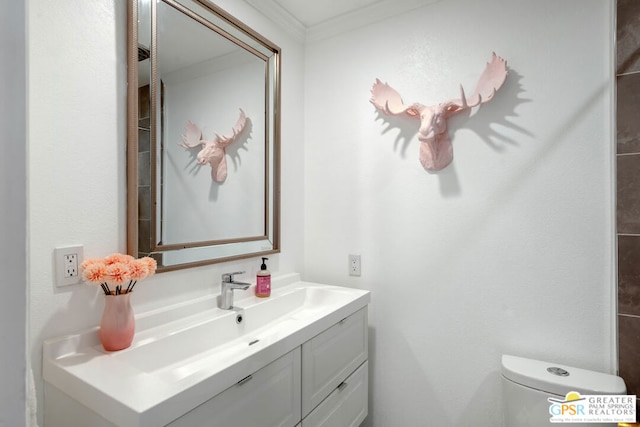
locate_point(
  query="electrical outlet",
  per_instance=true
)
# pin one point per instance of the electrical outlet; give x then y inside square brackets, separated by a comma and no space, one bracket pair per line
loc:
[70,265]
[67,263]
[354,265]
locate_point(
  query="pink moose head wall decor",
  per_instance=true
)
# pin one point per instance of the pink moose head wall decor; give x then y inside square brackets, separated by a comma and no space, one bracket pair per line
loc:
[213,152]
[435,145]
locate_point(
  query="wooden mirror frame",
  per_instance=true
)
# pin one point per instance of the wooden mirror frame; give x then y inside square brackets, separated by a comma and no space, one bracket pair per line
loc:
[192,254]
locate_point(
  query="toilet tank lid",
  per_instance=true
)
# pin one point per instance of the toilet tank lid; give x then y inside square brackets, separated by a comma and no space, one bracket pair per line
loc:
[534,374]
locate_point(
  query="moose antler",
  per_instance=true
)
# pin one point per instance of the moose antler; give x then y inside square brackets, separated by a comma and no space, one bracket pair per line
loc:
[213,152]
[435,145]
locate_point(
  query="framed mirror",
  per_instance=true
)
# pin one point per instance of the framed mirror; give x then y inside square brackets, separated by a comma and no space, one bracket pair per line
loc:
[203,137]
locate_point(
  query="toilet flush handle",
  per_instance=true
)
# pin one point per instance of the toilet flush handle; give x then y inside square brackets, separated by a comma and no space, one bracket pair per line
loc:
[558,371]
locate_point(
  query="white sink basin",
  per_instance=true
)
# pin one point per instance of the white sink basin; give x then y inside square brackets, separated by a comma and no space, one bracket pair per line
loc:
[176,362]
[224,338]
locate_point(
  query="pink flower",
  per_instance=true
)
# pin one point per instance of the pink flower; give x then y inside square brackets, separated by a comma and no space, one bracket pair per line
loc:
[151,265]
[118,258]
[138,269]
[117,270]
[117,273]
[94,272]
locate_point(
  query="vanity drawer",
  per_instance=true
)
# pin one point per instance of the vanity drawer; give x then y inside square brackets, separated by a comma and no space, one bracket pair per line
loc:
[330,357]
[268,398]
[346,406]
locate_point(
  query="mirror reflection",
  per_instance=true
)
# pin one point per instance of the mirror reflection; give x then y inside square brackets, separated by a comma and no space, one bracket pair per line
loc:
[206,137]
[206,80]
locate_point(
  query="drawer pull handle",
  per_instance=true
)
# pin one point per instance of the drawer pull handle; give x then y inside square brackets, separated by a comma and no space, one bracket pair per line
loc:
[245,380]
[342,386]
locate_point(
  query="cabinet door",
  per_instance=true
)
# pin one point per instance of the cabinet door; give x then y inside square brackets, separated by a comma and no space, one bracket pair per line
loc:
[346,406]
[268,398]
[330,357]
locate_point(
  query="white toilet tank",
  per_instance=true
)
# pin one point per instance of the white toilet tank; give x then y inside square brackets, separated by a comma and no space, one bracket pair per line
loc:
[527,383]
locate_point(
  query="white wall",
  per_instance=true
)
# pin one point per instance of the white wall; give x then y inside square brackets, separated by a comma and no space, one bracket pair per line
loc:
[13,222]
[77,116]
[509,249]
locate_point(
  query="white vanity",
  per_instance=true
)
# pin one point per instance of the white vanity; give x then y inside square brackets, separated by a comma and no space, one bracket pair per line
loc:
[298,358]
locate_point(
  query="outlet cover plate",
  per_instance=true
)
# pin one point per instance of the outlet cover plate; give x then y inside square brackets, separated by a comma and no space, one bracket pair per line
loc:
[67,261]
[354,265]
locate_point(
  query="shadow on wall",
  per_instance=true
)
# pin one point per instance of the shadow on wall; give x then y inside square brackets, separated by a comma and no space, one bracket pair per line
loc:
[497,112]
[486,122]
[85,303]
[415,392]
[412,391]
[483,405]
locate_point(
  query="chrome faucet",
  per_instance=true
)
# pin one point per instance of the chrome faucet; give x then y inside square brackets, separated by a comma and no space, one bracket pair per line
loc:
[227,287]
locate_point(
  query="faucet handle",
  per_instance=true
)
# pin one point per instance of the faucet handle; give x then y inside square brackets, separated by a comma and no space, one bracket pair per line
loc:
[228,277]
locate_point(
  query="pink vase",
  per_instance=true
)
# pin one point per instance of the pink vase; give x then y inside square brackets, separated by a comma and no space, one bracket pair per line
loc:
[118,325]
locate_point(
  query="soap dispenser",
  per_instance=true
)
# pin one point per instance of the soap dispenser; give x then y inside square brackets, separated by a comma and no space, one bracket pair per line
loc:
[263,281]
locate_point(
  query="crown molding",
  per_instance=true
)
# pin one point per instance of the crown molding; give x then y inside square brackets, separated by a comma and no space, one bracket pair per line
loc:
[281,17]
[340,24]
[365,16]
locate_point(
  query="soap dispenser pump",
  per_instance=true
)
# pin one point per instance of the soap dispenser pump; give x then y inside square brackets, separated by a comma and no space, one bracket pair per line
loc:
[263,280]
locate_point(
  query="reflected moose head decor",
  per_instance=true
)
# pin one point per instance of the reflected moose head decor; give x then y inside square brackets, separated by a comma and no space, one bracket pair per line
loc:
[213,151]
[435,145]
